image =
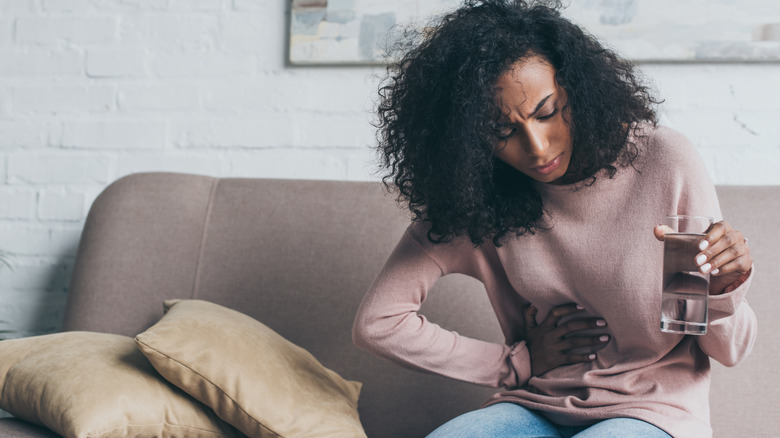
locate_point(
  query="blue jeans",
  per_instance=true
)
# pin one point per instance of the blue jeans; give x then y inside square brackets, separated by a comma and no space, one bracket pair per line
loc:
[510,420]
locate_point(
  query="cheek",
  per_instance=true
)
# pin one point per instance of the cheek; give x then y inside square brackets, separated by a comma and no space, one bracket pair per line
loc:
[560,132]
[512,154]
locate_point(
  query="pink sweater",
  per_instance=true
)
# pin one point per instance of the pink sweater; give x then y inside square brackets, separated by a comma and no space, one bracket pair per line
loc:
[599,252]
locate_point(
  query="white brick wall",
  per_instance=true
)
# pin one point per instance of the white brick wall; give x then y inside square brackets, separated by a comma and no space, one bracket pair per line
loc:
[91,90]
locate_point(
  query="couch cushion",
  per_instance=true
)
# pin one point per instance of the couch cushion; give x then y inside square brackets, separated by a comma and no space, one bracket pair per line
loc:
[82,384]
[252,377]
[297,255]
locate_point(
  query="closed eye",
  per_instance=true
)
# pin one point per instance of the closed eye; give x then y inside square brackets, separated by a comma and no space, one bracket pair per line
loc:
[548,116]
[505,132]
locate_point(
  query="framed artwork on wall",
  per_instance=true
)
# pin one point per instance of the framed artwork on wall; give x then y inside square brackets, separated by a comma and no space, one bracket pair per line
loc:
[333,32]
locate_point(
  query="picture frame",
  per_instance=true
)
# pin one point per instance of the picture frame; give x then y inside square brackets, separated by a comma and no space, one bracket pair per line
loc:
[357,32]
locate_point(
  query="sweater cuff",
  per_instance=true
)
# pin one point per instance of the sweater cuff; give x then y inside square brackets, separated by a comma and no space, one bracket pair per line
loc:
[740,281]
[520,366]
[727,303]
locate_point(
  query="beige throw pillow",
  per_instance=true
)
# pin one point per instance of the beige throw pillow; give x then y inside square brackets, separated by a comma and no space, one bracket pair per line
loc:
[251,376]
[83,384]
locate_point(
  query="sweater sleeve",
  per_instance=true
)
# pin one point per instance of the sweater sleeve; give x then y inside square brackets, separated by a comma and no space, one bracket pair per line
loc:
[389,325]
[732,324]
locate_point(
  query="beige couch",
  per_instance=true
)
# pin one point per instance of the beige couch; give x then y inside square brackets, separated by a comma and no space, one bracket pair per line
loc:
[298,256]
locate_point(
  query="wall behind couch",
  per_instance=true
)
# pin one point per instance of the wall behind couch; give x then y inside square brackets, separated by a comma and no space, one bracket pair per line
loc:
[91,90]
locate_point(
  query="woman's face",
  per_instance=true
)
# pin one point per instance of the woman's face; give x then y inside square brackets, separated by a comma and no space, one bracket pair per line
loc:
[536,140]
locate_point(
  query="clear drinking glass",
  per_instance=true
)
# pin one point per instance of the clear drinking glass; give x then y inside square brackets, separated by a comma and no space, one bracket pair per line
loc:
[685,289]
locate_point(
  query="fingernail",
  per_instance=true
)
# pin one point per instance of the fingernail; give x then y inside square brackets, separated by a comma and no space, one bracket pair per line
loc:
[591,356]
[703,245]
[700,259]
[715,271]
[603,338]
[601,323]
[706,268]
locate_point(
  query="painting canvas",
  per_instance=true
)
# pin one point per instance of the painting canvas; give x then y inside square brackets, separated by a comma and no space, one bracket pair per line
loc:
[357,31]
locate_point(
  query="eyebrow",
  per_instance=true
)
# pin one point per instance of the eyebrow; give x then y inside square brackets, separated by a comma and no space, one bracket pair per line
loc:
[540,104]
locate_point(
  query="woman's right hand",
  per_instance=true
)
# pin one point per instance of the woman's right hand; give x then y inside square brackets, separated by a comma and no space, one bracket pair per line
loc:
[550,343]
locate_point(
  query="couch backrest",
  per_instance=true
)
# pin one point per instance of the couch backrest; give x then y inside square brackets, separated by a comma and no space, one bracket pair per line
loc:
[745,399]
[298,256]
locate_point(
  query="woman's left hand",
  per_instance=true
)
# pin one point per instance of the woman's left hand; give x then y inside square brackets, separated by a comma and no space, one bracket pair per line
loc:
[724,254]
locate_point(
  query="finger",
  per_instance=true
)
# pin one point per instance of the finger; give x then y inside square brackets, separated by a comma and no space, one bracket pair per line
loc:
[577,325]
[728,247]
[555,315]
[660,230]
[571,359]
[584,341]
[529,313]
[741,265]
[724,257]
[714,233]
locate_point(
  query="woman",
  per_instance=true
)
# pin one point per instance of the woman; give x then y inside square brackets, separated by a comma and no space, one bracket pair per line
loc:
[531,160]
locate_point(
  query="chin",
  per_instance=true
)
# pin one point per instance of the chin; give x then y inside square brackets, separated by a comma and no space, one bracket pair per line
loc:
[552,180]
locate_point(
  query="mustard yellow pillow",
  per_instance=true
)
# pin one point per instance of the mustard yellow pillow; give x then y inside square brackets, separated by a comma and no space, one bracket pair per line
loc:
[84,384]
[249,375]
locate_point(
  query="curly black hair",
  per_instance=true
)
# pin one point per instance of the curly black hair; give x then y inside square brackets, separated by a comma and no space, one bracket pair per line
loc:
[437,114]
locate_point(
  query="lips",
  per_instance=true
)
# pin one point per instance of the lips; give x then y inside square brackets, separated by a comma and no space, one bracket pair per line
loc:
[550,166]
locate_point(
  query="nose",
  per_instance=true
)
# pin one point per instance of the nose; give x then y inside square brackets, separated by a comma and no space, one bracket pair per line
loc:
[536,142]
